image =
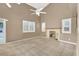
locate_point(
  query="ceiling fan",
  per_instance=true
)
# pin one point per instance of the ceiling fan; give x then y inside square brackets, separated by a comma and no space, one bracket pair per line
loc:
[38,12]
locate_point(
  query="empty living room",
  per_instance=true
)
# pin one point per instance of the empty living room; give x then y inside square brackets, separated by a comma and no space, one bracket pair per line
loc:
[39,29]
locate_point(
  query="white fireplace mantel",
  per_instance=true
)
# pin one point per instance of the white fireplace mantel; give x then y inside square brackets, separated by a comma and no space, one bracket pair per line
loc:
[56,30]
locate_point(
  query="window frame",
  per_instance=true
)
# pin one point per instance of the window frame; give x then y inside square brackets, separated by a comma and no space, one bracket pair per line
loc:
[69,25]
[30,23]
[43,29]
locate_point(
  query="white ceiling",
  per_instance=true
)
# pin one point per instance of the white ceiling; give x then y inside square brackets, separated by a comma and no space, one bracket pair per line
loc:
[38,5]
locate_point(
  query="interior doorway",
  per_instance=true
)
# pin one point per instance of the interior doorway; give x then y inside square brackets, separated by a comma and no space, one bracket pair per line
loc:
[2,31]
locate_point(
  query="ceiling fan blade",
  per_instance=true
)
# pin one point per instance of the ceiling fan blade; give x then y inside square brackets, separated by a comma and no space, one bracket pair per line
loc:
[35,14]
[43,12]
[18,3]
[40,9]
[32,13]
[8,4]
[32,10]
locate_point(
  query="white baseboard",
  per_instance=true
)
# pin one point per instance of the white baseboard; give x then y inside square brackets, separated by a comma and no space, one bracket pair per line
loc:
[45,37]
[67,42]
[22,39]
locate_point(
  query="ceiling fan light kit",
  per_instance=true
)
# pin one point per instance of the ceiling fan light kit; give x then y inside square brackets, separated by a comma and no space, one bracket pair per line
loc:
[38,12]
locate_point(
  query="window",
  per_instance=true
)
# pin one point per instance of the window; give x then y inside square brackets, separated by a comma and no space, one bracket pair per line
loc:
[66,25]
[43,26]
[28,26]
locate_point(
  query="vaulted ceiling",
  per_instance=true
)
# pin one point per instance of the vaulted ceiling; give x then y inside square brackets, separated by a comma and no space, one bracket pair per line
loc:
[38,5]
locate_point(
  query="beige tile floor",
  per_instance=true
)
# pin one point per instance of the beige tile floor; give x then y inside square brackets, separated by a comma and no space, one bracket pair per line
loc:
[40,46]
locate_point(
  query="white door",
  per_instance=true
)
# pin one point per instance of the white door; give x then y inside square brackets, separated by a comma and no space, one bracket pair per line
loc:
[2,31]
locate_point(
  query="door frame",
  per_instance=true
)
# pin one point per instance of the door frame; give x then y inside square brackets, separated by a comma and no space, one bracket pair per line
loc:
[4,25]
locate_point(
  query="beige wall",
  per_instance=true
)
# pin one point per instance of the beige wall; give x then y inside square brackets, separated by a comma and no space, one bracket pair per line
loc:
[77,51]
[57,12]
[15,15]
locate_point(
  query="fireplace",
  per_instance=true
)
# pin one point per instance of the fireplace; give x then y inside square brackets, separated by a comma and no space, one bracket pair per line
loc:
[53,33]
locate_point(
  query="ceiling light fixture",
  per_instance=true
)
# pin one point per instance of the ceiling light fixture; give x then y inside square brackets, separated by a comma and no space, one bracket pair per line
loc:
[38,12]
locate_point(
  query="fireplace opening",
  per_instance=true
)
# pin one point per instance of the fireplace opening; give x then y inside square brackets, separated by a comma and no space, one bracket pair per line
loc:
[53,34]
